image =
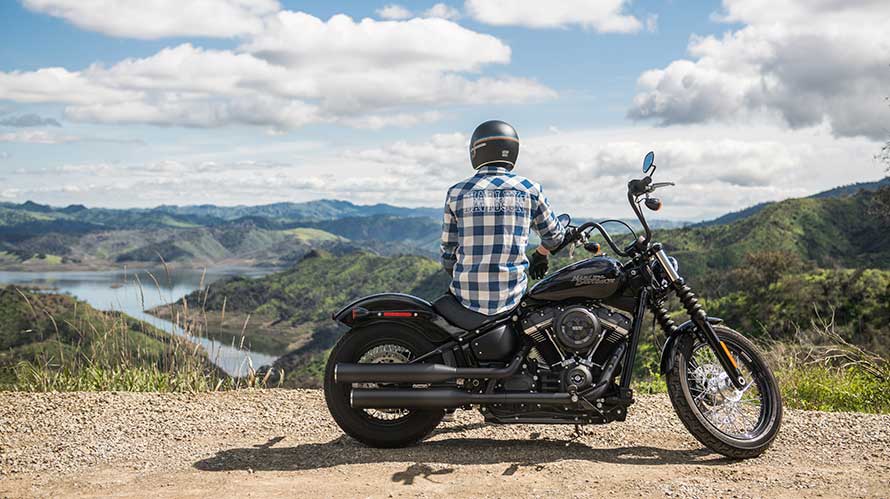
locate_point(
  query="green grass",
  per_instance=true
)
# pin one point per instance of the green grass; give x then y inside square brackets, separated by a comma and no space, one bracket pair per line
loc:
[306,234]
[820,371]
[34,377]
[46,259]
[818,388]
[835,389]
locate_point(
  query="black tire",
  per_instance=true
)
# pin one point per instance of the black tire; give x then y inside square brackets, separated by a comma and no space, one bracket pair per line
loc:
[770,415]
[357,423]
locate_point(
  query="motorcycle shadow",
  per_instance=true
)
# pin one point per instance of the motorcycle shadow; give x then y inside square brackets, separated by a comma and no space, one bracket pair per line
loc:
[454,451]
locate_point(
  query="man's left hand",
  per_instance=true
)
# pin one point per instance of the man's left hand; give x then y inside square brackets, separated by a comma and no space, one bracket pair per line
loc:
[538,265]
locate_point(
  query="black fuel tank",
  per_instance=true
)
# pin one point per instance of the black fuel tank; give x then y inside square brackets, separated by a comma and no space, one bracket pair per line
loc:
[596,278]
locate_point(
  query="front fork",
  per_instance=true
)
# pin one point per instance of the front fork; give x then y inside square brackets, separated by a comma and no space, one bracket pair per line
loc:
[700,319]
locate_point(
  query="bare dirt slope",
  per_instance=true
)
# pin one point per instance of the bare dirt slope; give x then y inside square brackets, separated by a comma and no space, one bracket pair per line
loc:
[282,443]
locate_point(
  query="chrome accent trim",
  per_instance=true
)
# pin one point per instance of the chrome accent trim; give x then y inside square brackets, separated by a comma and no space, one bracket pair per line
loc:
[537,327]
[662,258]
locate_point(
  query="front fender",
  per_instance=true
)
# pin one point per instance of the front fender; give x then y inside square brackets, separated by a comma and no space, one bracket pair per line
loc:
[670,346]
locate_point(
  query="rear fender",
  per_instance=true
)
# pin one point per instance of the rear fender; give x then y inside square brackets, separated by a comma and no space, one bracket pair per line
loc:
[398,309]
[670,346]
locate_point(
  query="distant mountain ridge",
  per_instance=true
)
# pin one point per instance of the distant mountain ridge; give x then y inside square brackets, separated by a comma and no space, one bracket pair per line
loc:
[844,190]
[34,235]
[322,209]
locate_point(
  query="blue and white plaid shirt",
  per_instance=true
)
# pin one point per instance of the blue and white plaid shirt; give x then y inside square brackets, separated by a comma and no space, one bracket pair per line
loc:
[485,235]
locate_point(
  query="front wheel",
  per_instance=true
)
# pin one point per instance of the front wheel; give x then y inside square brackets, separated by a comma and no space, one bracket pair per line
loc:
[737,423]
[378,427]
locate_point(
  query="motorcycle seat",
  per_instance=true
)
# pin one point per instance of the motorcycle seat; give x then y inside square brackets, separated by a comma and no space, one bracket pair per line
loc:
[448,307]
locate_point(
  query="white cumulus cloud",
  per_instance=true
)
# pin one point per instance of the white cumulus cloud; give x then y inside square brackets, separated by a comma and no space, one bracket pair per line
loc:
[152,19]
[299,70]
[394,11]
[604,16]
[37,137]
[443,11]
[798,61]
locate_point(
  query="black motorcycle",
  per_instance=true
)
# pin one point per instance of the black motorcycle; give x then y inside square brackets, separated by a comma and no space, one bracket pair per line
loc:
[563,356]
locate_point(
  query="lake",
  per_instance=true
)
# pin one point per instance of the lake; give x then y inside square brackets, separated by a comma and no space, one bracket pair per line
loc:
[119,290]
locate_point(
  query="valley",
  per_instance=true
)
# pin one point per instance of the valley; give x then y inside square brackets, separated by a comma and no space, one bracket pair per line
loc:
[773,273]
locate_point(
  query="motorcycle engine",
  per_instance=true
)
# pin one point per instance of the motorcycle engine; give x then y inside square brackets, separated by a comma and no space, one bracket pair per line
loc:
[585,331]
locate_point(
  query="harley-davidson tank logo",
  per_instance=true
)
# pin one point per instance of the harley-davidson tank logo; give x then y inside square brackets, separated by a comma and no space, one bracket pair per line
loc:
[588,279]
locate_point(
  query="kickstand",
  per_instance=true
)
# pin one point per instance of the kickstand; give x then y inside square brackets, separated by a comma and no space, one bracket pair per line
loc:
[576,435]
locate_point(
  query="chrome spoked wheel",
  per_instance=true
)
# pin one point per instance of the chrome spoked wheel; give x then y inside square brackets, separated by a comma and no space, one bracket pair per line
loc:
[737,413]
[384,354]
[738,423]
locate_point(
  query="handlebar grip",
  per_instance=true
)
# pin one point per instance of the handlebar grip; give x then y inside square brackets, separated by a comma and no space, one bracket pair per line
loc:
[569,238]
[639,186]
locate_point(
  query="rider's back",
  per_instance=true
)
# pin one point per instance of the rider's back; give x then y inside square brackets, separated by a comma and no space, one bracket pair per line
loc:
[487,220]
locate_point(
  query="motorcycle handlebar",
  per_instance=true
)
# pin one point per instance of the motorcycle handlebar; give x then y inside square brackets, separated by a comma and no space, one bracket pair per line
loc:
[606,236]
[635,188]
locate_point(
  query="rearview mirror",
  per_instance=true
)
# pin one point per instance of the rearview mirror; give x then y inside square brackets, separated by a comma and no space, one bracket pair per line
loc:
[564,219]
[648,161]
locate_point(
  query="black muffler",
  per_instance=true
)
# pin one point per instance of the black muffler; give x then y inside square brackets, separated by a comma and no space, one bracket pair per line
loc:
[446,398]
[420,373]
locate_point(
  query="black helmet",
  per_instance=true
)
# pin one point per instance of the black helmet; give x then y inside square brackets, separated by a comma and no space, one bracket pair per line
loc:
[494,143]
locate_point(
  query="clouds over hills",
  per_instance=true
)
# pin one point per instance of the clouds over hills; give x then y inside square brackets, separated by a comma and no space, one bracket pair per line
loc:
[788,100]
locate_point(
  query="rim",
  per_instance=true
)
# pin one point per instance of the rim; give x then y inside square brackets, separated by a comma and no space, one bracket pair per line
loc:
[738,414]
[386,353]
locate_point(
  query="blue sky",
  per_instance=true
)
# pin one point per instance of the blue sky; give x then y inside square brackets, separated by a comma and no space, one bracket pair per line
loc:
[239,102]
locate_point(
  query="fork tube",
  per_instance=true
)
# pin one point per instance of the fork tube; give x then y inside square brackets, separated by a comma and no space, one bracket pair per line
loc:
[630,355]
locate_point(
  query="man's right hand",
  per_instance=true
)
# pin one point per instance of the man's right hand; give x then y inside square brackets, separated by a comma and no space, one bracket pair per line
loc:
[538,265]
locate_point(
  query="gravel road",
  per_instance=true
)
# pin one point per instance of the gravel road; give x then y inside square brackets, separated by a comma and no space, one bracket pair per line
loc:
[282,443]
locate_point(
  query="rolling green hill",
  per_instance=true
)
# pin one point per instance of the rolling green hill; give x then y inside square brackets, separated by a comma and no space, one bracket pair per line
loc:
[844,190]
[237,242]
[829,232]
[54,330]
[36,236]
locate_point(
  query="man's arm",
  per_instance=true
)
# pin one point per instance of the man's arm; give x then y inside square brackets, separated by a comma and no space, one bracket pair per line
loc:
[546,225]
[449,239]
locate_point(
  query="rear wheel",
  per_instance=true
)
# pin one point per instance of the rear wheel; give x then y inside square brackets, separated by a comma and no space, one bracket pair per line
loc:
[737,423]
[378,427]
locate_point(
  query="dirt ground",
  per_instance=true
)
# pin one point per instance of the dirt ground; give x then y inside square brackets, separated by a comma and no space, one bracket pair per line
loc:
[282,443]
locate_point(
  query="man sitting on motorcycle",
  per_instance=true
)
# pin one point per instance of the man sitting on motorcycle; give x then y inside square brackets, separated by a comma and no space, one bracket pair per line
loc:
[486,225]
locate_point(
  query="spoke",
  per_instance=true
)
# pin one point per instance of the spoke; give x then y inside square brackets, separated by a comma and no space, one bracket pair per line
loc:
[735,412]
[701,396]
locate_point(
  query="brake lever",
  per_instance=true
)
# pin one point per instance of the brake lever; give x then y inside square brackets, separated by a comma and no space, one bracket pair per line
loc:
[658,185]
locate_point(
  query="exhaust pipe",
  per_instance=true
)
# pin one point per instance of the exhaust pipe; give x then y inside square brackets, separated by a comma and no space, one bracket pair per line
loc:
[446,398]
[420,373]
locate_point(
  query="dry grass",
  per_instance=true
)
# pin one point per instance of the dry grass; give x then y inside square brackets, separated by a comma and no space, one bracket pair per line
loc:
[111,351]
[822,371]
